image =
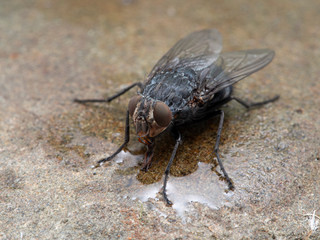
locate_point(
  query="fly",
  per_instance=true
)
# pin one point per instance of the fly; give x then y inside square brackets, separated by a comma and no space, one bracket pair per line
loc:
[189,83]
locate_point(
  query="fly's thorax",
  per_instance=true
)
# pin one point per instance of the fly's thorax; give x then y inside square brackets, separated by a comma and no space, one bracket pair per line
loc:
[150,117]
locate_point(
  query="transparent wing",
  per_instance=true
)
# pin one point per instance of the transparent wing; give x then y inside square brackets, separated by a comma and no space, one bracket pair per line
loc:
[198,50]
[231,67]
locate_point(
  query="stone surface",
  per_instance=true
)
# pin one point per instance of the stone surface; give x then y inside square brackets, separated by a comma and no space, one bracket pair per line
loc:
[54,51]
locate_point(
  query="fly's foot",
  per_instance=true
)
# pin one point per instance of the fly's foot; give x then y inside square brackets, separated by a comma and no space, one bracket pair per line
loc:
[230,185]
[146,166]
[225,178]
[96,165]
[148,158]
[169,203]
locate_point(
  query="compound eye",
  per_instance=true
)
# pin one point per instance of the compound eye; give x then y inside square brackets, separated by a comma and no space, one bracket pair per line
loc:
[133,104]
[162,114]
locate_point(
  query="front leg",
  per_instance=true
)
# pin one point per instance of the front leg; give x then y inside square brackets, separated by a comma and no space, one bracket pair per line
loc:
[178,141]
[148,157]
[109,99]
[126,140]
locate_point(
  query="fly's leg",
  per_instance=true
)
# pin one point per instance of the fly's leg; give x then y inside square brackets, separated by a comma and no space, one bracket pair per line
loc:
[221,113]
[216,149]
[251,105]
[148,157]
[126,140]
[166,173]
[109,99]
[127,134]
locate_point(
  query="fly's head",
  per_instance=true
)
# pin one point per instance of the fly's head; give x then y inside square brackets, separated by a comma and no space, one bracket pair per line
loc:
[150,117]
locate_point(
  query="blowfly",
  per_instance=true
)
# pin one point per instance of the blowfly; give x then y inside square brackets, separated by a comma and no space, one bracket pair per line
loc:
[189,83]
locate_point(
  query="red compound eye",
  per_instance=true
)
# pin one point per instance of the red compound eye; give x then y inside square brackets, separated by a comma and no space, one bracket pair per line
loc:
[133,104]
[162,114]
